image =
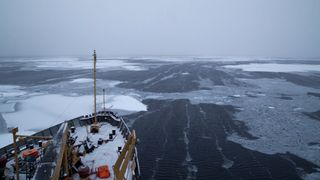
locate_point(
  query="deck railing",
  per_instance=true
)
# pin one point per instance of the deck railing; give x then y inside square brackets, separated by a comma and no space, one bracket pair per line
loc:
[125,157]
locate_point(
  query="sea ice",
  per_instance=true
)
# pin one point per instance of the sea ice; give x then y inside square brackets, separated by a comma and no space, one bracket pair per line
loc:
[40,112]
[274,67]
[82,80]
[127,103]
[75,63]
[10,91]
[6,138]
[7,107]
[277,124]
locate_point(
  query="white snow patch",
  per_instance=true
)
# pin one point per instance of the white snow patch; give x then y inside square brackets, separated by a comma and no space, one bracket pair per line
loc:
[82,80]
[134,67]
[127,103]
[274,67]
[297,109]
[7,107]
[220,103]
[114,83]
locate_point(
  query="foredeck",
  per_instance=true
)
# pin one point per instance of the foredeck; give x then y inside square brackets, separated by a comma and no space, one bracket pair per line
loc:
[104,154]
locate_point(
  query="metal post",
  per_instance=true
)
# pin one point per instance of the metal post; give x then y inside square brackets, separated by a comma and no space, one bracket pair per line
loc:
[104,101]
[94,125]
[14,132]
[65,157]
[95,85]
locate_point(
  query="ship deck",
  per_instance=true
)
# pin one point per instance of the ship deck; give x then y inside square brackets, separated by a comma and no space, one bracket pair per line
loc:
[105,154]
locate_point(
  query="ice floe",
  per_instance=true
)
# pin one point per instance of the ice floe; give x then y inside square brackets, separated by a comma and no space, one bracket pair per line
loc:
[274,67]
[40,112]
[6,138]
[87,64]
[76,63]
[82,80]
[10,91]
[126,103]
[279,128]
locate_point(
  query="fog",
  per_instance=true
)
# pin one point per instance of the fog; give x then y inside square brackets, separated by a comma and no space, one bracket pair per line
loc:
[163,27]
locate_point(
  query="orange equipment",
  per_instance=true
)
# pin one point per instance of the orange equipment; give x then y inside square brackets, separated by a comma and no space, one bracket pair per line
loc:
[103,172]
[30,154]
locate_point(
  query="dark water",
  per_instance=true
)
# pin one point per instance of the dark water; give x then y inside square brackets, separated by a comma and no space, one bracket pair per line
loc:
[163,150]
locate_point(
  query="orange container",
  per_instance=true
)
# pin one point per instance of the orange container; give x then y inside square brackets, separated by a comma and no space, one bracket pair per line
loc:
[103,172]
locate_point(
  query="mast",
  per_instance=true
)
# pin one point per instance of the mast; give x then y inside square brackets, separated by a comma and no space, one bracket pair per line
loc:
[104,101]
[95,126]
[95,85]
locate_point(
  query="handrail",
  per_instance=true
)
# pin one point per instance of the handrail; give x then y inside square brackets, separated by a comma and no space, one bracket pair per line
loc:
[56,172]
[137,162]
[125,156]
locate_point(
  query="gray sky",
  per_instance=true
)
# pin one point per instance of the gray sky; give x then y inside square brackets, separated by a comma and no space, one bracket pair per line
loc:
[160,27]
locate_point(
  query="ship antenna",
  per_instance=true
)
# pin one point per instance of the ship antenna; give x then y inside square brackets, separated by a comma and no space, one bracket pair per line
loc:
[95,85]
[95,126]
[104,101]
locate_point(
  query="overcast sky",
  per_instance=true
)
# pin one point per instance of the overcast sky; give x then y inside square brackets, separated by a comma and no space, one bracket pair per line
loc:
[160,27]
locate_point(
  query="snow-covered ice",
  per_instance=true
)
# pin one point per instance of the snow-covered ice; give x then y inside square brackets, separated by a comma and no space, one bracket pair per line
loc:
[126,103]
[76,63]
[7,138]
[48,110]
[10,91]
[277,124]
[7,107]
[40,112]
[82,80]
[274,67]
